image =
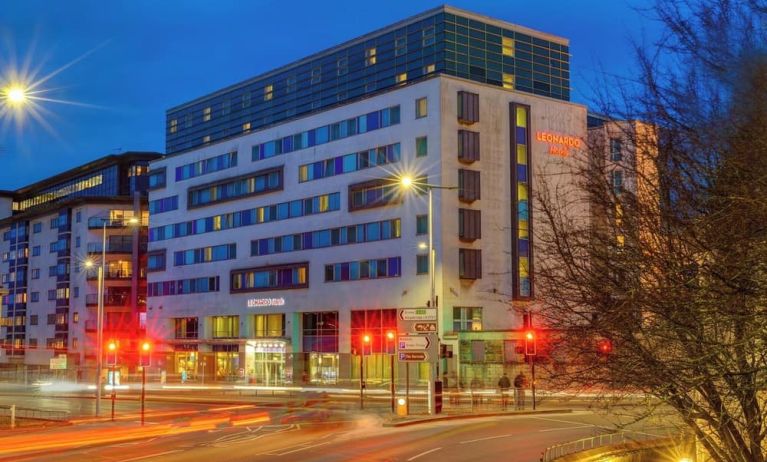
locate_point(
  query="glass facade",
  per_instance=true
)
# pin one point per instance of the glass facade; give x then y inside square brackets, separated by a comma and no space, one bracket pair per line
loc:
[522,258]
[441,41]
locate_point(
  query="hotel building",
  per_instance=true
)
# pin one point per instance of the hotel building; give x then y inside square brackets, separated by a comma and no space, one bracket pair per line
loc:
[279,236]
[49,230]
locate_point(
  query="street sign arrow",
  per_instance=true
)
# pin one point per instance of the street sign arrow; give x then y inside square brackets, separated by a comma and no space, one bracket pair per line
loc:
[418,314]
[413,342]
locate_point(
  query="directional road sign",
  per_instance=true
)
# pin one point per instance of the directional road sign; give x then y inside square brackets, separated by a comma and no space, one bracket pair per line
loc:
[425,326]
[413,356]
[413,342]
[418,314]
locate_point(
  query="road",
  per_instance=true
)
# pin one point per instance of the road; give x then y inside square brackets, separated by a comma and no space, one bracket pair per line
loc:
[247,433]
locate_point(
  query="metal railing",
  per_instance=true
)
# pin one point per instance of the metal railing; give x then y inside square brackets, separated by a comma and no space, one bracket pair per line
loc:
[606,439]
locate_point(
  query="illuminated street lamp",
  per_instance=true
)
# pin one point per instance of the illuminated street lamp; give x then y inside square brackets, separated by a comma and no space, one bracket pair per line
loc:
[407,182]
[133,221]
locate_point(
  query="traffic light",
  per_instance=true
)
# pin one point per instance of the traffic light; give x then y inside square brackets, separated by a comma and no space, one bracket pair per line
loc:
[145,353]
[390,335]
[530,343]
[605,347]
[112,353]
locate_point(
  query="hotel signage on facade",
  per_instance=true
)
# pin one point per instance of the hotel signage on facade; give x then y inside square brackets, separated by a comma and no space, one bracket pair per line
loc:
[559,145]
[259,302]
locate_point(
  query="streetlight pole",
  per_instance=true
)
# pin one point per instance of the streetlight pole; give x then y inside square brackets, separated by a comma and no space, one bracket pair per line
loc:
[100,316]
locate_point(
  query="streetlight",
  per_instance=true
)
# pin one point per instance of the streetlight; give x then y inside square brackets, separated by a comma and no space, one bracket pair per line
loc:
[133,221]
[407,182]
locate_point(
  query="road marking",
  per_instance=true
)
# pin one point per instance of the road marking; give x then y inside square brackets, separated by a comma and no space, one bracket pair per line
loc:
[566,428]
[423,454]
[152,455]
[296,450]
[486,438]
[561,421]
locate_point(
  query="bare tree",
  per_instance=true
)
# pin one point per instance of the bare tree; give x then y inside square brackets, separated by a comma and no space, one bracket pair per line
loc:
[667,275]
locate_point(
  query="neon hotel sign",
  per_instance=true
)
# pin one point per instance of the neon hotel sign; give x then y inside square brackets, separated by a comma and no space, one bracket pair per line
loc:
[559,145]
[259,302]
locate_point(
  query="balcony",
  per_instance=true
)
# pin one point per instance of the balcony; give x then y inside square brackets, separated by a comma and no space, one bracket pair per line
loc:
[120,275]
[98,223]
[122,247]
[116,299]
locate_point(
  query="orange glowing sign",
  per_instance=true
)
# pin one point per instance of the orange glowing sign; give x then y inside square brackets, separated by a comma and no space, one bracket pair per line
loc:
[559,145]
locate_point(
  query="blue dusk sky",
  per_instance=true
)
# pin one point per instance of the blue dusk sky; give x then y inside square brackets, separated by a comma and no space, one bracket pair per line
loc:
[142,57]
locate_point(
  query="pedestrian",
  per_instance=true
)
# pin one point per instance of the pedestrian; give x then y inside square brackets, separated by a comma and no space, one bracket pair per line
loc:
[183,375]
[503,385]
[520,381]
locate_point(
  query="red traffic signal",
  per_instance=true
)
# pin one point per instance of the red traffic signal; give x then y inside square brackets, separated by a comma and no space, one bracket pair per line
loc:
[366,339]
[390,335]
[145,353]
[605,347]
[530,343]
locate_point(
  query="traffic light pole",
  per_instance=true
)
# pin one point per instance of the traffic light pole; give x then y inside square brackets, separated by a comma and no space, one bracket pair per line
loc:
[143,392]
[114,392]
[362,383]
[391,364]
[532,372]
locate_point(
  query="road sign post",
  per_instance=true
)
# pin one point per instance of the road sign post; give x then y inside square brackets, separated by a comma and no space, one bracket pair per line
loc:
[418,342]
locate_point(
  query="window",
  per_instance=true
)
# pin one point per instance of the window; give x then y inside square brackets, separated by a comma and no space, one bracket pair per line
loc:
[32,343]
[166,204]
[400,46]
[75,343]
[269,325]
[364,269]
[260,182]
[226,326]
[183,286]
[508,81]
[342,66]
[206,113]
[35,273]
[52,294]
[469,263]
[616,149]
[33,320]
[205,254]
[246,127]
[268,92]
[468,146]
[382,155]
[186,328]
[468,185]
[375,193]
[468,107]
[400,78]
[268,213]
[77,242]
[370,56]
[507,44]
[156,178]
[325,134]
[427,36]
[421,264]
[292,276]
[320,331]
[421,224]
[467,318]
[469,224]
[617,181]
[376,323]
[290,84]
[76,292]
[205,166]
[51,319]
[245,100]
[155,260]
[345,235]
[428,69]
[75,317]
[206,139]
[78,217]
[421,108]
[421,146]
[37,227]
[173,125]
[316,75]
[34,296]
